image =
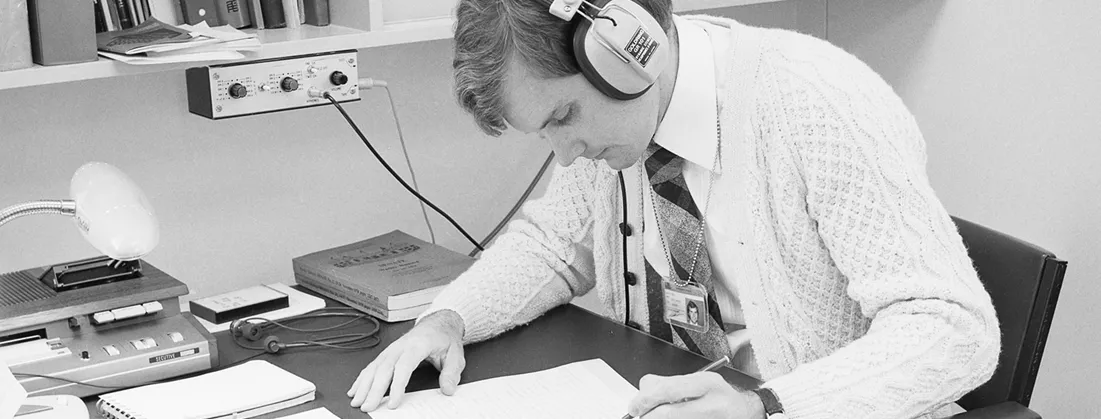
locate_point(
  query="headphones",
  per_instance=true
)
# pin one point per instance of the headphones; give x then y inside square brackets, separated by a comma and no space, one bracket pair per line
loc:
[619,46]
[258,329]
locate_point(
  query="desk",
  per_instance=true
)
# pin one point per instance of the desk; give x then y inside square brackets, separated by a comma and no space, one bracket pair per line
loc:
[563,335]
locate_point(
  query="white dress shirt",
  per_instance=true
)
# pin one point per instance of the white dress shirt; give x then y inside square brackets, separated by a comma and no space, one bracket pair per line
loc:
[689,130]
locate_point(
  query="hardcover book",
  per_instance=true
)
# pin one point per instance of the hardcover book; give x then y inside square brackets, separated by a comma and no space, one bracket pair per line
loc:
[393,276]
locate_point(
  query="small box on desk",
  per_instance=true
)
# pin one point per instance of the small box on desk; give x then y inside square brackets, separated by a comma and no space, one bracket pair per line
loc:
[239,304]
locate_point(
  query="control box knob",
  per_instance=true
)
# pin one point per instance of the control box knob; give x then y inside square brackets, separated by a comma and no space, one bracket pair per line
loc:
[289,84]
[237,91]
[338,78]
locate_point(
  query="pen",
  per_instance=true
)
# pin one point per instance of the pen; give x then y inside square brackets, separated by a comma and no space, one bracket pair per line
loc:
[714,365]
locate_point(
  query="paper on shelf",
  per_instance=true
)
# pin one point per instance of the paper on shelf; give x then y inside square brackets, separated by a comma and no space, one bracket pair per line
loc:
[179,58]
[153,35]
[582,390]
[155,42]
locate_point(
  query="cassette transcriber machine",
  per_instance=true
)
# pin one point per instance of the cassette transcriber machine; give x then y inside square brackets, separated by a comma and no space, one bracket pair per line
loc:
[99,321]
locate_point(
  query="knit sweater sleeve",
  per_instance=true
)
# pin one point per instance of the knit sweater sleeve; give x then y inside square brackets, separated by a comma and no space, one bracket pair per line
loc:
[933,334]
[543,260]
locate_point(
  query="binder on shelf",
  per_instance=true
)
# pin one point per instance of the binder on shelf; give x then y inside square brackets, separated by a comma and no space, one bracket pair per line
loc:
[316,12]
[272,11]
[257,14]
[15,35]
[61,32]
[291,13]
[234,13]
[198,11]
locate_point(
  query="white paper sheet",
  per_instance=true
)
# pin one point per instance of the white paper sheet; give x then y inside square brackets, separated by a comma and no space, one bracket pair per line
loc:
[581,390]
[12,393]
[319,413]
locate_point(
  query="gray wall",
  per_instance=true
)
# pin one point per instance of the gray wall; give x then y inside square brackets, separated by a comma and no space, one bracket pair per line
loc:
[1006,96]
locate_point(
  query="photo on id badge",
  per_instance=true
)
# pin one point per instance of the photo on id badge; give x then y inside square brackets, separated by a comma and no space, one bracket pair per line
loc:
[686,306]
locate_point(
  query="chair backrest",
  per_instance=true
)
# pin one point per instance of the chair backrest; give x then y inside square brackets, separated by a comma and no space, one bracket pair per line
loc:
[1023,280]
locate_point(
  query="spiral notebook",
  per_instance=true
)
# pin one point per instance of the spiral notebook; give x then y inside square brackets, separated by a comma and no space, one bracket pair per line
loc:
[239,392]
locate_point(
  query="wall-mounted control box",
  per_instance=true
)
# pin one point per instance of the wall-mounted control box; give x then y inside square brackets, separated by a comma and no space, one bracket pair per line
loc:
[277,84]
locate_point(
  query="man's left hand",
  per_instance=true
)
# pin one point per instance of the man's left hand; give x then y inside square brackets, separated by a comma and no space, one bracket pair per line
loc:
[698,395]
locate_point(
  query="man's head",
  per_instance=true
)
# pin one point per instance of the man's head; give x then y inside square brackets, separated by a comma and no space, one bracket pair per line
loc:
[693,312]
[514,66]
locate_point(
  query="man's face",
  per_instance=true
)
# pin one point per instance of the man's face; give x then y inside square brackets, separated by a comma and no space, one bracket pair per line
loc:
[693,314]
[577,120]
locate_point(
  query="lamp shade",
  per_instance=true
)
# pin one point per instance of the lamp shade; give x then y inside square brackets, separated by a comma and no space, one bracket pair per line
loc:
[112,213]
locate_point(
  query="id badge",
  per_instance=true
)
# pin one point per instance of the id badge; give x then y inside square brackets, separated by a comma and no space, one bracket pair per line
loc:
[686,306]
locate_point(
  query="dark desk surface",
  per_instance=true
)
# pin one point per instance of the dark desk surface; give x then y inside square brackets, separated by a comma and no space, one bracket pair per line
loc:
[563,335]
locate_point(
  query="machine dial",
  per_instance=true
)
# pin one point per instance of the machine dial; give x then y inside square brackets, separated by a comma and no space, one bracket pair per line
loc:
[338,78]
[237,91]
[289,84]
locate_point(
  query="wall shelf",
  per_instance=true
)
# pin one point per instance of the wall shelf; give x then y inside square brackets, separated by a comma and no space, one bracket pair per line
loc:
[306,39]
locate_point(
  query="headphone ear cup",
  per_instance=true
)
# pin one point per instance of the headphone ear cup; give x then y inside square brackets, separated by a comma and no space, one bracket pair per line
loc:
[251,331]
[272,345]
[235,328]
[604,69]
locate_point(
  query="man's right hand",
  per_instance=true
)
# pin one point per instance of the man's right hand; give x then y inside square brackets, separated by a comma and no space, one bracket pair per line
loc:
[437,338]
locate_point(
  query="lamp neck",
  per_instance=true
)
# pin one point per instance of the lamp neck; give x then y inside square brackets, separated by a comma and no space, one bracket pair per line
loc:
[46,206]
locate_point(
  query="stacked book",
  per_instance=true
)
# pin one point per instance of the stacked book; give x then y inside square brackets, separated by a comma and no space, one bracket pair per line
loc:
[394,276]
[156,42]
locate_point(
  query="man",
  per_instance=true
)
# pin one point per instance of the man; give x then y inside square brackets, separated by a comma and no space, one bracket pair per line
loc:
[765,172]
[693,313]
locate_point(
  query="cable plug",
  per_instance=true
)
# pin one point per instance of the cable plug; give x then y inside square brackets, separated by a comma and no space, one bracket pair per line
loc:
[368,83]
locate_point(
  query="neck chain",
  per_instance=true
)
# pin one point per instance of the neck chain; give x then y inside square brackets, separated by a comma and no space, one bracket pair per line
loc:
[703,213]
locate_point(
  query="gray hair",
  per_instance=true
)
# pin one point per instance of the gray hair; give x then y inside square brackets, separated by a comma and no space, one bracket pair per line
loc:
[489,32]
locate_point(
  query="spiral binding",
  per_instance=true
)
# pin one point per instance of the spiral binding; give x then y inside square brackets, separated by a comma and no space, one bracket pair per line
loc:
[111,410]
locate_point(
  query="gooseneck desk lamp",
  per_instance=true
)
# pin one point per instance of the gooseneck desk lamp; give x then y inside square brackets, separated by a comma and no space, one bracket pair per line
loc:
[109,209]
[113,215]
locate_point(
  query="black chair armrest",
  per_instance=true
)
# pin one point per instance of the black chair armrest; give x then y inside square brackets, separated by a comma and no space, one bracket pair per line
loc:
[1004,410]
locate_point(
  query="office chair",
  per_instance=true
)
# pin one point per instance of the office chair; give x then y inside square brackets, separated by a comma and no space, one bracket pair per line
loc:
[1023,281]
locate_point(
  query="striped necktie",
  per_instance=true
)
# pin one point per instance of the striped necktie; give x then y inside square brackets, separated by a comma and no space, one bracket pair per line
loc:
[679,226]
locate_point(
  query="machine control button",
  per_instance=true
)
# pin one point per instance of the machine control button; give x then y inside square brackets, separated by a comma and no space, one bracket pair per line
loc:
[111,350]
[103,317]
[289,84]
[149,342]
[137,344]
[152,307]
[237,91]
[176,337]
[128,312]
[338,78]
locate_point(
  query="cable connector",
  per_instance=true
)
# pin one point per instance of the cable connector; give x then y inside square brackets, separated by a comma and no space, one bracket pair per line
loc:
[315,92]
[368,83]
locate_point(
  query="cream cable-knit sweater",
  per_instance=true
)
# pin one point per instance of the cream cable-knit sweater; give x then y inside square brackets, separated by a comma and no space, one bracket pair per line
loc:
[855,283]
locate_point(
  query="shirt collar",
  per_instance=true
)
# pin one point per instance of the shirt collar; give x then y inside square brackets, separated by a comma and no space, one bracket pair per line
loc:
[688,128]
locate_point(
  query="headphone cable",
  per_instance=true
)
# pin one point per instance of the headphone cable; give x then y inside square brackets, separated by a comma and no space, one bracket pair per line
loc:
[517,205]
[363,137]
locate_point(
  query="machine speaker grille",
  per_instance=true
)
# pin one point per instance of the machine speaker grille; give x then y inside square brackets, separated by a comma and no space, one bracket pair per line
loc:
[20,287]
